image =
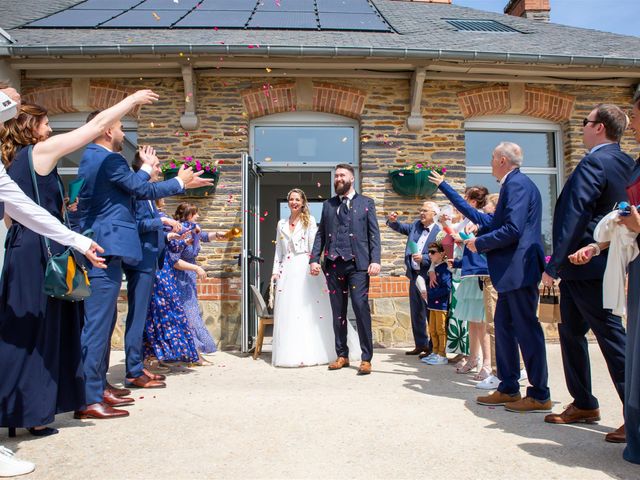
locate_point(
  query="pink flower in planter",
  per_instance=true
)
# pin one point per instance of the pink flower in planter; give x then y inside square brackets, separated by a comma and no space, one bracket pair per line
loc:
[172,165]
[198,166]
[444,169]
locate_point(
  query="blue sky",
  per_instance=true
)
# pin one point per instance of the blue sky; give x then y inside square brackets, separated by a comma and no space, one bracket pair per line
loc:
[618,16]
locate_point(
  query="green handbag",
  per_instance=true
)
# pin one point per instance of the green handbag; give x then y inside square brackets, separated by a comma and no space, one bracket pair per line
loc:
[65,277]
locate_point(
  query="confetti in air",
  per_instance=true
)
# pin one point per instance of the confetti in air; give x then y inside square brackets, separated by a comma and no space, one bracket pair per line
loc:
[156,16]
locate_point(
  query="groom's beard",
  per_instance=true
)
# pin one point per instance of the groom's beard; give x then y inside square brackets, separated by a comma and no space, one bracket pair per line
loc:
[342,187]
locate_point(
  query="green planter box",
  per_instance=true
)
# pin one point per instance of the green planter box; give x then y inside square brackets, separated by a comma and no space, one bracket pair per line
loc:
[196,192]
[410,183]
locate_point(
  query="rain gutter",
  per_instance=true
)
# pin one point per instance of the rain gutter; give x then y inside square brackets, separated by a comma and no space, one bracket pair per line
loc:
[316,51]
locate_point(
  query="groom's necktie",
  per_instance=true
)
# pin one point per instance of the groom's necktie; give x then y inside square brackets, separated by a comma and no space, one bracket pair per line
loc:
[343,210]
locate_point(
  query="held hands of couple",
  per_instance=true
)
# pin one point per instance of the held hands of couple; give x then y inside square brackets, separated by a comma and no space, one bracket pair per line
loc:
[373,270]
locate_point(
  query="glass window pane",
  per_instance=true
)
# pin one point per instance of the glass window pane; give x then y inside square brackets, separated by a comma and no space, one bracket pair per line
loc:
[538,147]
[547,184]
[304,145]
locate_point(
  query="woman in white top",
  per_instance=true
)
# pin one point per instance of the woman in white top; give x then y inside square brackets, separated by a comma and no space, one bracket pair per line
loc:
[303,322]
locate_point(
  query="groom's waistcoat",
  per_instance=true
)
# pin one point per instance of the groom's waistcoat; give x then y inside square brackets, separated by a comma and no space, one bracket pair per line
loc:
[343,237]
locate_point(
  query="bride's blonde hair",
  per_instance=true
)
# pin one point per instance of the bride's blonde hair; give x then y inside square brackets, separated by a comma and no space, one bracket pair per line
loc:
[305,216]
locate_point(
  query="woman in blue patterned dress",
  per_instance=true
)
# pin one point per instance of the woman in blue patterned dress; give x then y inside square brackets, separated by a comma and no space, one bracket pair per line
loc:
[188,272]
[167,336]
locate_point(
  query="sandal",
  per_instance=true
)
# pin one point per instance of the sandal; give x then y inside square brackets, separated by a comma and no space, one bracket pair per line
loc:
[461,363]
[483,373]
[468,367]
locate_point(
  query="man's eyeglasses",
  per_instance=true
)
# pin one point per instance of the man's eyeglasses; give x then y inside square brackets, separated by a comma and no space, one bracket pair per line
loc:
[426,211]
[432,252]
[587,121]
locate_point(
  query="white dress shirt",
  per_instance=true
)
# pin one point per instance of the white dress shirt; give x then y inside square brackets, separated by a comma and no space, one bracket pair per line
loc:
[23,210]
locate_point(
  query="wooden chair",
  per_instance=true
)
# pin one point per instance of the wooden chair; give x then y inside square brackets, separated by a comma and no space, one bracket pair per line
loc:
[264,319]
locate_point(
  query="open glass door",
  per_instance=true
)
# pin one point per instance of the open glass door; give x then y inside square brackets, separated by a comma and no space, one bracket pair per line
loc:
[249,259]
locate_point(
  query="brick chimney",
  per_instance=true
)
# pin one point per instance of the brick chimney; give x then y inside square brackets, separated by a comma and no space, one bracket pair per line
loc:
[531,9]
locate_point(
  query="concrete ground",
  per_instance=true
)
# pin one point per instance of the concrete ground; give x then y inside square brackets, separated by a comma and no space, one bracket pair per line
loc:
[242,418]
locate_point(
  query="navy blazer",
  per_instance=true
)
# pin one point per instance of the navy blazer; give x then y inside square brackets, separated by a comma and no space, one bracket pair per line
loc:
[438,296]
[513,239]
[413,231]
[106,201]
[591,192]
[364,234]
[151,231]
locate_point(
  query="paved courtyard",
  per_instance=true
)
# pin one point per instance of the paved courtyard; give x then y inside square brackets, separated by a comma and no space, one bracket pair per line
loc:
[244,419]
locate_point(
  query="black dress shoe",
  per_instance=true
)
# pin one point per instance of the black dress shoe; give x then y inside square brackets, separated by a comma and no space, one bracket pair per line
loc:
[415,351]
[42,432]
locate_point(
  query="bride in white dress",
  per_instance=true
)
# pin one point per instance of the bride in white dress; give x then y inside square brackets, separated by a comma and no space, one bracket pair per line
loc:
[303,322]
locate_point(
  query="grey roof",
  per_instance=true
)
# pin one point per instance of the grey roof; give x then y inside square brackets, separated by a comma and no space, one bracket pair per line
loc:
[421,32]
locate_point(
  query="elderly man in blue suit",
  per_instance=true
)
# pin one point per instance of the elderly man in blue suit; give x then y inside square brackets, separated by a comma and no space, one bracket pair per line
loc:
[419,234]
[106,206]
[595,186]
[513,245]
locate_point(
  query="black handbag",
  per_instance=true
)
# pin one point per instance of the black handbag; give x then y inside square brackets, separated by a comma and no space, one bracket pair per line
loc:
[65,276]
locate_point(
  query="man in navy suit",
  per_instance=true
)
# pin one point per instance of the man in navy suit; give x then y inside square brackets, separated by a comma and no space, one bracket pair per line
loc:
[141,276]
[513,245]
[595,186]
[421,233]
[106,207]
[349,237]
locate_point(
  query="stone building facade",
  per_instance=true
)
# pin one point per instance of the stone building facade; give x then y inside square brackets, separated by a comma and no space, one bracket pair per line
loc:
[226,107]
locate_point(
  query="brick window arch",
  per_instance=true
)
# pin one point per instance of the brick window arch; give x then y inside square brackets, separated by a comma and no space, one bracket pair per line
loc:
[535,102]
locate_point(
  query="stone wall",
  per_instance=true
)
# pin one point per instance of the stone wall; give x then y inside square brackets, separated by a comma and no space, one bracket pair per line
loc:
[381,106]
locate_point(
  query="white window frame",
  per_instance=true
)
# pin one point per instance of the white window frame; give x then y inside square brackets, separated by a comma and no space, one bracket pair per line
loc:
[521,123]
[71,121]
[307,119]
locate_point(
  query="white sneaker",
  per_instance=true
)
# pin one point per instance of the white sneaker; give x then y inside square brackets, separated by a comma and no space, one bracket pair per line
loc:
[10,466]
[489,383]
[438,360]
[428,357]
[523,374]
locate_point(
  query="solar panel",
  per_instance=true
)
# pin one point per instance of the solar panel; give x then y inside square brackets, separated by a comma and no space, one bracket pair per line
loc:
[211,18]
[351,21]
[75,18]
[228,5]
[345,6]
[107,5]
[286,6]
[145,19]
[183,5]
[477,25]
[301,20]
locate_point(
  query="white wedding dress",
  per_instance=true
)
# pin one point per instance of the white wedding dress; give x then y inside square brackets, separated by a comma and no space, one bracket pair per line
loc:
[303,322]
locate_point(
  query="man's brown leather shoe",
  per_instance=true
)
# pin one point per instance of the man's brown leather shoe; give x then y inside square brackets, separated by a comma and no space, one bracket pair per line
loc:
[364,368]
[617,436]
[113,401]
[341,362]
[100,411]
[498,398]
[573,414]
[154,376]
[144,382]
[118,392]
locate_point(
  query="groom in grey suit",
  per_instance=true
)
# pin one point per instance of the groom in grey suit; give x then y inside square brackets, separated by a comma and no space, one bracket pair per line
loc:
[349,236]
